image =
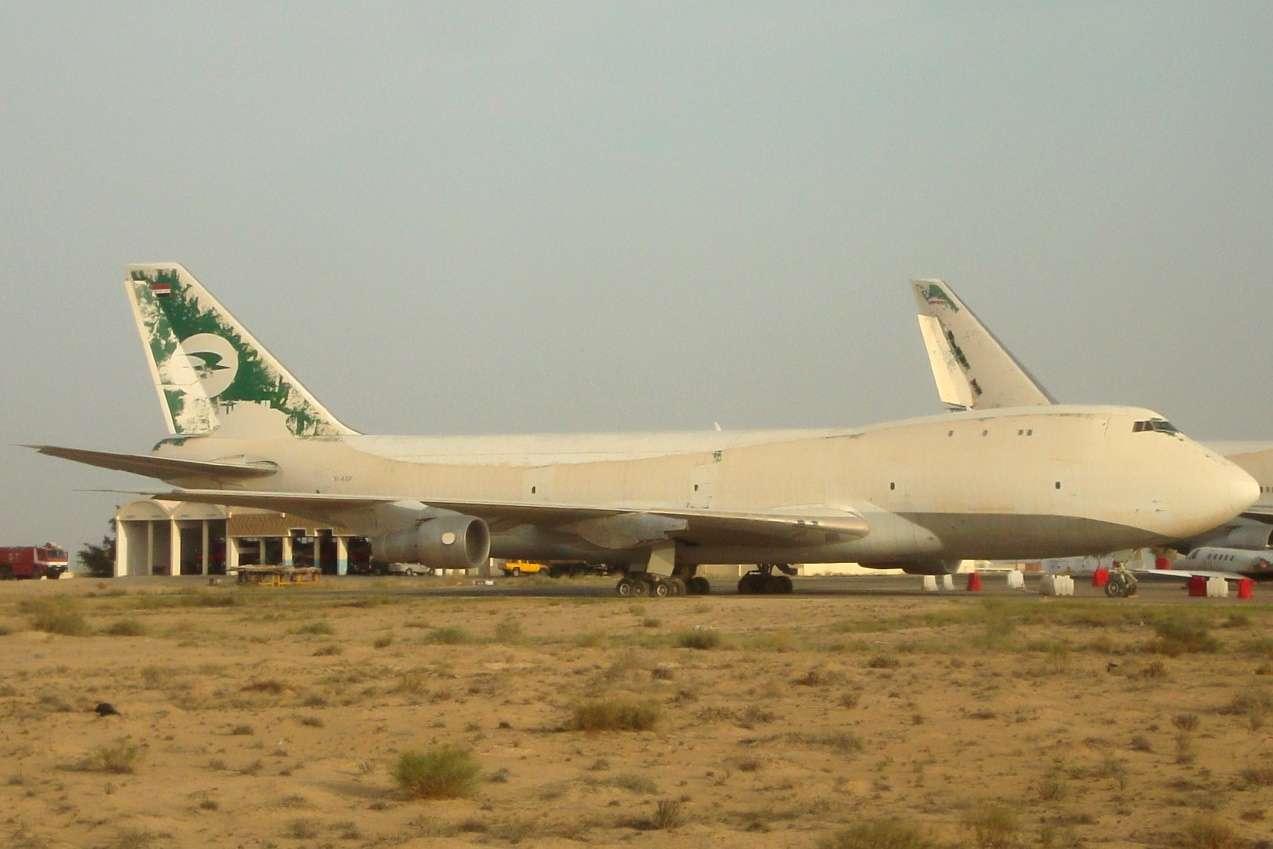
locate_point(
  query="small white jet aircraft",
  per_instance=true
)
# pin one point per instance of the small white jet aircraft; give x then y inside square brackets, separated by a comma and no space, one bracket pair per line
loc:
[973,370]
[921,494]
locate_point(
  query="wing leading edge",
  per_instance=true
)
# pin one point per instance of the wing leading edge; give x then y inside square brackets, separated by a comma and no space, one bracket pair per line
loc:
[609,527]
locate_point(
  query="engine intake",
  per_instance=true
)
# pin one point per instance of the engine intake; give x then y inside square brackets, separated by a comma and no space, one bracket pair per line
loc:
[440,542]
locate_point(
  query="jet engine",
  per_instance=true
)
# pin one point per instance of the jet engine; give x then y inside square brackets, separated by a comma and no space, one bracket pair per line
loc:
[1249,534]
[442,541]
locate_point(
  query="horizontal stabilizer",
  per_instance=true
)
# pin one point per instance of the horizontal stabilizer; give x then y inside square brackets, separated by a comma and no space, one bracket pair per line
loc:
[163,468]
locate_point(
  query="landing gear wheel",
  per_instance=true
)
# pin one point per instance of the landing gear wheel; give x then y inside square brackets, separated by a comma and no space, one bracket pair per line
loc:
[624,588]
[1111,590]
[698,586]
[751,583]
[678,586]
[661,589]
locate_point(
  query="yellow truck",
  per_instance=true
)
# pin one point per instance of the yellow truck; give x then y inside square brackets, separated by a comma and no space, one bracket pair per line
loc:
[517,568]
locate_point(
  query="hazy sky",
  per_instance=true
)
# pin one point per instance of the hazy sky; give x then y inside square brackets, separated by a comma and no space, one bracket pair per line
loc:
[450,217]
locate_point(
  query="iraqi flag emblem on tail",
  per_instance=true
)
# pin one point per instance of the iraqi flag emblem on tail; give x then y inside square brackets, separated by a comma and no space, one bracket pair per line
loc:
[161,288]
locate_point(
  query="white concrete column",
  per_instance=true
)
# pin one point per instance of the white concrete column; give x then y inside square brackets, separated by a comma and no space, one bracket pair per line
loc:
[150,547]
[231,553]
[342,556]
[207,540]
[121,549]
[260,551]
[288,555]
[174,547]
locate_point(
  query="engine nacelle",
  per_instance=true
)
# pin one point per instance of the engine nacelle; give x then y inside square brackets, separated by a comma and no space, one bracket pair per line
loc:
[928,567]
[1250,534]
[444,541]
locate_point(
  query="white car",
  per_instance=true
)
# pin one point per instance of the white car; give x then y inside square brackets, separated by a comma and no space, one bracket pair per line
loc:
[409,569]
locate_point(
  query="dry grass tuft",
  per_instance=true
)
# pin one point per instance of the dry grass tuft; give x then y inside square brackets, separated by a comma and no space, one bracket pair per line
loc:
[698,639]
[124,628]
[1209,833]
[119,758]
[444,772]
[57,616]
[615,714]
[993,827]
[878,834]
[1182,636]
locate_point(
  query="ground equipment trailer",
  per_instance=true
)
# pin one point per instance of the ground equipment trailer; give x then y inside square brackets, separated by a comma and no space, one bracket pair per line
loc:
[32,561]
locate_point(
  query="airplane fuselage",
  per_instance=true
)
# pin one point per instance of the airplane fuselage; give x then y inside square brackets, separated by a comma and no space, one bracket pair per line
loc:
[1014,483]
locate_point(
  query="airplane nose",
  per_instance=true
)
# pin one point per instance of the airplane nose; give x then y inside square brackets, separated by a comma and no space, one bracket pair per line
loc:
[1244,490]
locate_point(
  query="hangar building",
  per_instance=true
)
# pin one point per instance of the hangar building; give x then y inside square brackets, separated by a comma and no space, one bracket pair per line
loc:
[186,538]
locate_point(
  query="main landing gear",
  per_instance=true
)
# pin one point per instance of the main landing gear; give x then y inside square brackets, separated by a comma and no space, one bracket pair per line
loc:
[764,582]
[644,583]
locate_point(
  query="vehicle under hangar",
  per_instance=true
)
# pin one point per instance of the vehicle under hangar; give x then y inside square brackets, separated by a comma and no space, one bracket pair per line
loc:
[187,538]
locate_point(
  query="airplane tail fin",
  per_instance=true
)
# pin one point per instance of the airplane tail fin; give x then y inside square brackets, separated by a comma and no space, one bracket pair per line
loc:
[211,374]
[972,369]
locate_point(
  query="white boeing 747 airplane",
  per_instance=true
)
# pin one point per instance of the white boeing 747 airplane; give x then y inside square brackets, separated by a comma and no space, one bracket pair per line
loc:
[920,494]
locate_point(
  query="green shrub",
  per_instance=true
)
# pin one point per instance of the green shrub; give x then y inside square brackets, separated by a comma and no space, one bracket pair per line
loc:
[878,834]
[124,628]
[698,639]
[667,815]
[444,772]
[615,714]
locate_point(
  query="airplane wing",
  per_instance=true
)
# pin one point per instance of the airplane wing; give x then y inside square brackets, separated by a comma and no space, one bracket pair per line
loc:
[611,527]
[165,468]
[1183,574]
[972,369]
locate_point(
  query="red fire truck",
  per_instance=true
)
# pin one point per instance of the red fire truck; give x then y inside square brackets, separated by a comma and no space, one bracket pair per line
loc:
[33,561]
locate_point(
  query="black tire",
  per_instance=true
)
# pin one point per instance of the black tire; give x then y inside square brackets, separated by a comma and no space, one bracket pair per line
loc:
[517,571]
[698,586]
[785,586]
[640,587]
[662,589]
[624,588]
[1111,590]
[678,586]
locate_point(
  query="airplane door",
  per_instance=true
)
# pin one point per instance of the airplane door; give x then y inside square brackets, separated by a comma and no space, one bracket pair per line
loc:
[702,484]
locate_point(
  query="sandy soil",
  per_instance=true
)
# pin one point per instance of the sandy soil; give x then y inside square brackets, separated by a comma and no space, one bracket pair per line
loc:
[276,719]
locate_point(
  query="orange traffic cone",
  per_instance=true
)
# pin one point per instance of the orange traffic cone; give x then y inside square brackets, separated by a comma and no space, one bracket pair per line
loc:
[974,582]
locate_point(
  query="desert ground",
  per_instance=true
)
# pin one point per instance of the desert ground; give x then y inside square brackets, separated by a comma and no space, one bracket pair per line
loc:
[855,713]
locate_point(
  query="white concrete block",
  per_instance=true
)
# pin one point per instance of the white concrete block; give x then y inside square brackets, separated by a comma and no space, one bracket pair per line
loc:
[1016,581]
[1217,587]
[947,582]
[930,583]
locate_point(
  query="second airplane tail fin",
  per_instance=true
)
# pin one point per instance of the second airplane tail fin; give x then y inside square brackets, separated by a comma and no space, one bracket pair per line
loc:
[211,374]
[972,369]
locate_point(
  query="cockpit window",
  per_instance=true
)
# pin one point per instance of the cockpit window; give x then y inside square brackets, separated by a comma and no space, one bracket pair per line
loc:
[1156,425]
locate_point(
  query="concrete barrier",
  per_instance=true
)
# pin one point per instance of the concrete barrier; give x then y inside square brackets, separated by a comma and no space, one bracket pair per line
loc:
[1217,587]
[930,583]
[947,582]
[1056,585]
[1016,581]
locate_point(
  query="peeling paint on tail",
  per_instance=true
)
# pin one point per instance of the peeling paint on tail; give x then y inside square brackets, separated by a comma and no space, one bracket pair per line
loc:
[198,348]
